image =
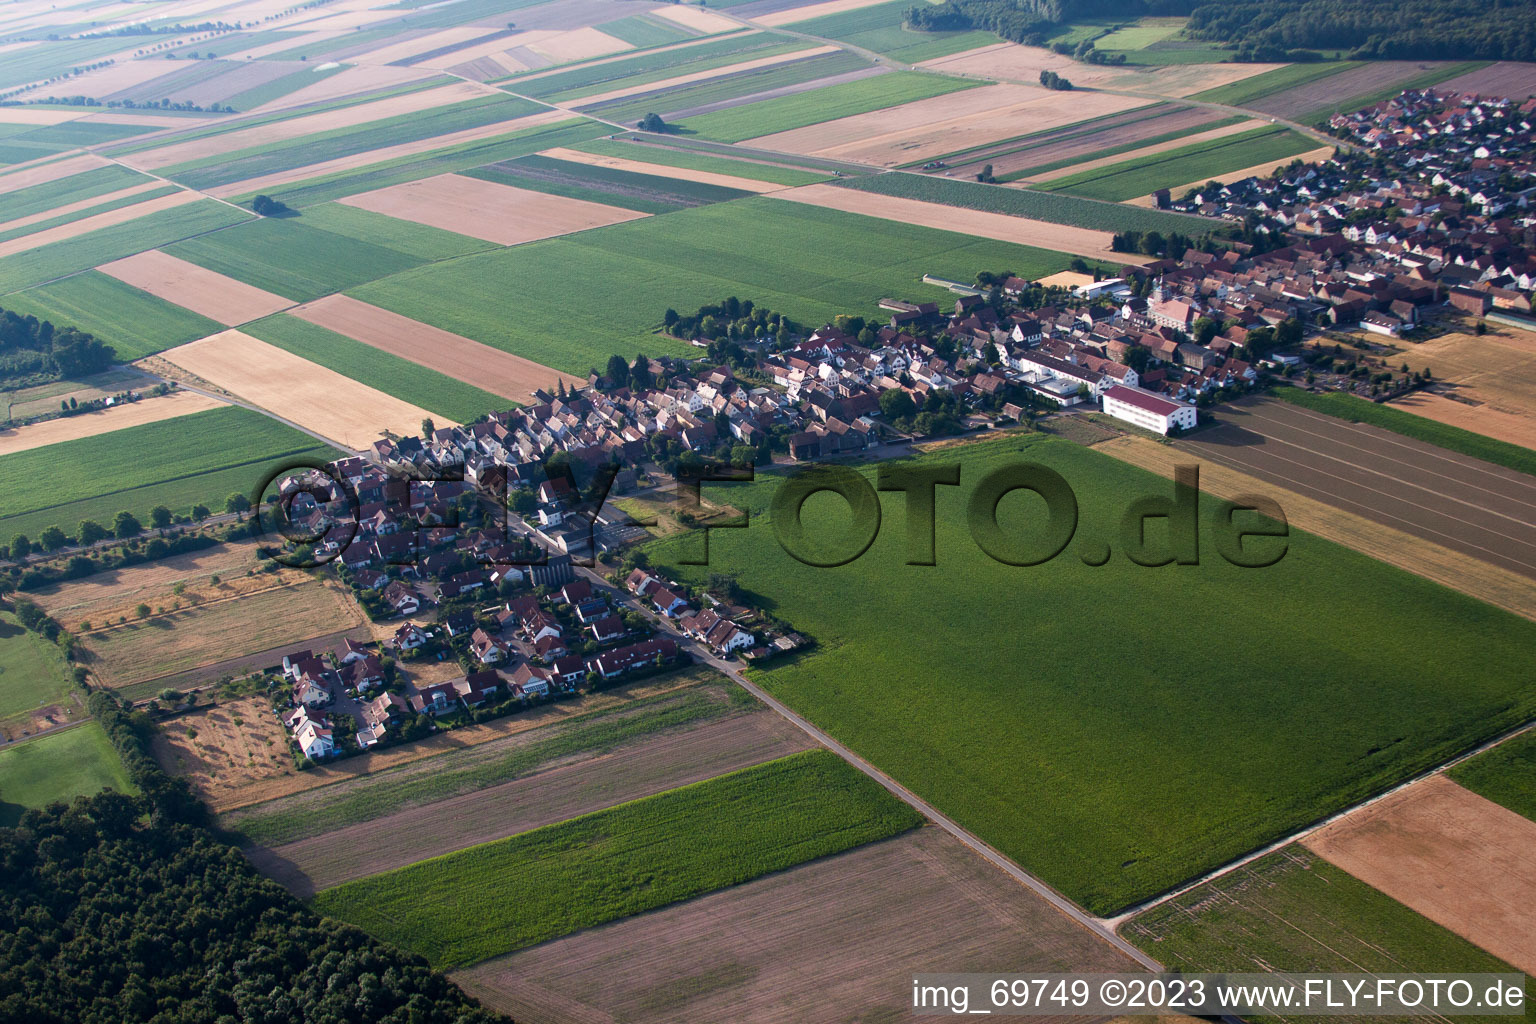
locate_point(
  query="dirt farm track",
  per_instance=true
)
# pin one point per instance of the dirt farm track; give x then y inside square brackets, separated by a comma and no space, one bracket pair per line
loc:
[1465,504]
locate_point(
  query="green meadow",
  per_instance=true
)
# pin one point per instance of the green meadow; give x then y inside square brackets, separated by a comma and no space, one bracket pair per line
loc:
[33,673]
[1173,168]
[879,28]
[782,113]
[1076,717]
[622,861]
[808,262]
[1506,774]
[78,761]
[134,322]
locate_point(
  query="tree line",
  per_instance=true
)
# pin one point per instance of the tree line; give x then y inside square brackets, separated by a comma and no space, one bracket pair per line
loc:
[35,350]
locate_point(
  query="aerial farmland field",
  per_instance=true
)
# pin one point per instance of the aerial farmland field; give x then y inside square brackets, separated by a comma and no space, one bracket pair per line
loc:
[587,871]
[752,248]
[1504,774]
[1198,755]
[33,673]
[78,761]
[134,322]
[1141,176]
[643,151]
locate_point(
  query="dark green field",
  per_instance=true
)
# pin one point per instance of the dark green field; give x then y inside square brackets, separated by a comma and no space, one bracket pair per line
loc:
[1506,774]
[1089,722]
[61,765]
[729,87]
[1174,168]
[647,193]
[176,462]
[134,322]
[1293,911]
[783,113]
[492,899]
[1358,410]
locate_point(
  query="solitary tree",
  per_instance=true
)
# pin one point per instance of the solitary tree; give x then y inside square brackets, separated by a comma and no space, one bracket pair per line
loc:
[618,371]
[21,547]
[652,123]
[126,525]
[200,512]
[428,428]
[160,516]
[237,503]
[53,538]
[90,531]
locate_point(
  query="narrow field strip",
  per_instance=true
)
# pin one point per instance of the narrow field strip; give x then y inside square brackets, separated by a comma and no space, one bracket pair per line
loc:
[701,76]
[576,156]
[190,286]
[461,358]
[103,421]
[86,225]
[502,896]
[335,407]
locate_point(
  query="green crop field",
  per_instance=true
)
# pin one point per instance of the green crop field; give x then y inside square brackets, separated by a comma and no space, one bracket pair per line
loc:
[1358,410]
[177,462]
[653,154]
[341,142]
[1506,774]
[420,241]
[463,156]
[765,117]
[35,199]
[647,193]
[730,87]
[1124,147]
[643,69]
[1249,89]
[405,380]
[1144,175]
[1016,202]
[1143,33]
[287,256]
[638,30]
[78,761]
[622,861]
[519,299]
[1293,911]
[879,28]
[1080,727]
[276,89]
[33,673]
[72,255]
[478,767]
[134,322]
[90,211]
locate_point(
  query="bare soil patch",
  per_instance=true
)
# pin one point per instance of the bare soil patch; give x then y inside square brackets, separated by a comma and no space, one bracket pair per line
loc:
[267,182]
[172,642]
[85,225]
[84,204]
[1460,860]
[102,421]
[462,358]
[335,407]
[469,736]
[203,291]
[646,767]
[696,19]
[1045,235]
[842,932]
[1332,91]
[576,156]
[1018,63]
[794,14]
[943,124]
[700,76]
[1066,143]
[1145,151]
[347,82]
[1513,79]
[1497,586]
[584,43]
[228,745]
[486,209]
[50,172]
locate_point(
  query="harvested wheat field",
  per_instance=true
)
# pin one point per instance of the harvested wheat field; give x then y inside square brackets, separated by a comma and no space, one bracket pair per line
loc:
[575,44]
[228,745]
[1480,419]
[171,642]
[1514,79]
[203,291]
[1460,860]
[216,573]
[806,13]
[1471,576]
[491,369]
[337,408]
[943,124]
[347,82]
[267,182]
[485,209]
[85,225]
[1018,63]
[576,156]
[44,173]
[402,50]
[310,124]
[742,953]
[1039,233]
[1263,170]
[701,76]
[89,424]
[466,736]
[1497,369]
[566,790]
[695,18]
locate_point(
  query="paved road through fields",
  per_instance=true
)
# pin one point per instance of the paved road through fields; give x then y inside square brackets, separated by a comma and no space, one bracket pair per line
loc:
[1471,506]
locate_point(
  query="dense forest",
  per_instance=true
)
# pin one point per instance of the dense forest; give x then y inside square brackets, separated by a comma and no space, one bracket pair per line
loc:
[34,350]
[1264,30]
[122,909]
